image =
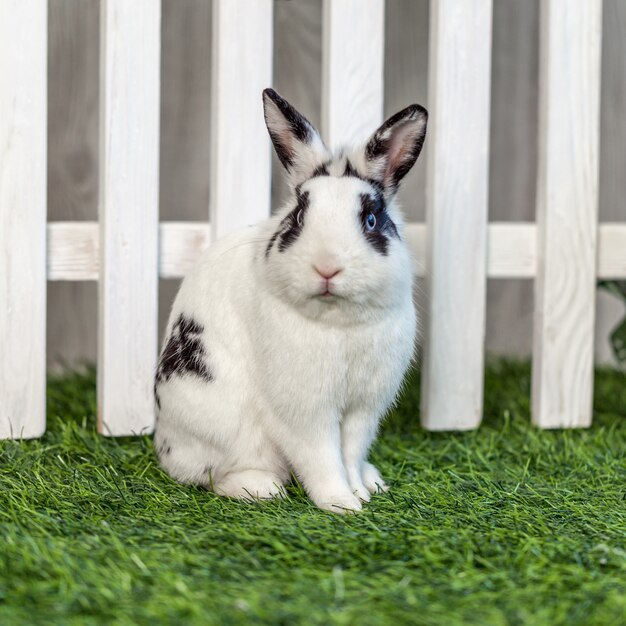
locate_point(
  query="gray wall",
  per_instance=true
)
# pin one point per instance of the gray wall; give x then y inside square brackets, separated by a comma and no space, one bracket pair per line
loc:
[184,187]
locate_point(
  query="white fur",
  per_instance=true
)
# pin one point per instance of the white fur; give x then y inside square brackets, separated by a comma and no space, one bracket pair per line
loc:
[300,382]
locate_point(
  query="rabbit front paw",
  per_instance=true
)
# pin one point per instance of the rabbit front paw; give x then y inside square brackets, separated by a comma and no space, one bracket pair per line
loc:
[342,502]
[356,485]
[373,480]
[251,485]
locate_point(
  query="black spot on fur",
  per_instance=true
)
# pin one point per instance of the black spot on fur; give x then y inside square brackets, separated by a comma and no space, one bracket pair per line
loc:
[157,399]
[320,170]
[385,227]
[290,227]
[184,352]
[300,127]
[350,171]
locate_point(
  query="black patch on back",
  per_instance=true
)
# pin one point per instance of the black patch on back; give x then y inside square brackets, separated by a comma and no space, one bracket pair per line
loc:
[184,352]
[385,227]
[289,229]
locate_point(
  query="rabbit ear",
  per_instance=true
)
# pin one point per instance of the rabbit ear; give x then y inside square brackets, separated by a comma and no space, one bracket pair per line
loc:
[296,141]
[393,149]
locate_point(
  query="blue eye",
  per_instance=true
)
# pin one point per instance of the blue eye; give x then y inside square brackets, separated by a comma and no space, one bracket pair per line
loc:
[370,222]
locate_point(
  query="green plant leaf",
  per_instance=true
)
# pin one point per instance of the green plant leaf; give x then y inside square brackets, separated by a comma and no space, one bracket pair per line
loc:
[617,337]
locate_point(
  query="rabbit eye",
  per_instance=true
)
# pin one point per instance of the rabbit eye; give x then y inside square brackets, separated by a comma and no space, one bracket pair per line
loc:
[370,222]
[299,217]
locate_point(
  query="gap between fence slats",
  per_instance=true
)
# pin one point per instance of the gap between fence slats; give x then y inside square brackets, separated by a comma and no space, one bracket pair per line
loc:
[23,90]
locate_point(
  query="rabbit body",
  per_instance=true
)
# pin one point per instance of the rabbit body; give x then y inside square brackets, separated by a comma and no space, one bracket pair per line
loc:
[288,343]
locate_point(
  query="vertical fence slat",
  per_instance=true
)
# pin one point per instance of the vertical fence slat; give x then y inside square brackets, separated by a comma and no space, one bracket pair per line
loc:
[458,164]
[129,166]
[352,69]
[567,204]
[23,91]
[240,150]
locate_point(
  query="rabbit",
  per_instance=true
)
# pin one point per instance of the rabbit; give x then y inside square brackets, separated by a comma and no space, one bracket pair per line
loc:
[289,340]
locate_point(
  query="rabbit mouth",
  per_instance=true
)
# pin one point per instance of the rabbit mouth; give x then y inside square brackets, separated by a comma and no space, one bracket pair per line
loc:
[327,295]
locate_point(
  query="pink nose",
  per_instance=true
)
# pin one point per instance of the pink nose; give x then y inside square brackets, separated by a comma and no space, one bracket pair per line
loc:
[327,271]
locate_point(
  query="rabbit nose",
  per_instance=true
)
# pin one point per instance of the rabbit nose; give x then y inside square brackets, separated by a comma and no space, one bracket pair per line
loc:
[327,271]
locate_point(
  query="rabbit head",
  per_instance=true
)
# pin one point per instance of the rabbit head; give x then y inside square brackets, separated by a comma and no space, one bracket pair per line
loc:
[338,251]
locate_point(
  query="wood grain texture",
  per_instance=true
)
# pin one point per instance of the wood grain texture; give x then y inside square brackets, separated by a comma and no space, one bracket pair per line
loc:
[23,87]
[457,200]
[567,205]
[352,70]
[181,243]
[129,167]
[74,249]
[184,183]
[240,149]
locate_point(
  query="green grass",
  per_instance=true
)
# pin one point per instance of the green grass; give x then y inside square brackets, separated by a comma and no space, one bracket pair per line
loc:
[506,525]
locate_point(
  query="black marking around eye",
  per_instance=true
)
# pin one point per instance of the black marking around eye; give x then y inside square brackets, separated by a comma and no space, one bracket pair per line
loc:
[385,227]
[184,352]
[290,228]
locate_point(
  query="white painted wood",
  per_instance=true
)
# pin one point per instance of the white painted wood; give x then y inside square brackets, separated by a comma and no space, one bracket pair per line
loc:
[352,70]
[23,89]
[458,163]
[181,243]
[612,250]
[567,205]
[511,250]
[73,249]
[240,149]
[129,161]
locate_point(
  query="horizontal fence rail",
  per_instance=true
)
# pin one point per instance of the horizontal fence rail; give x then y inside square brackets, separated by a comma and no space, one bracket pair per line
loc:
[73,253]
[455,251]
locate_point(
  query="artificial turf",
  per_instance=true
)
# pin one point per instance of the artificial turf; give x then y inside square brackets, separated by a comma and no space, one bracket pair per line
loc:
[505,525]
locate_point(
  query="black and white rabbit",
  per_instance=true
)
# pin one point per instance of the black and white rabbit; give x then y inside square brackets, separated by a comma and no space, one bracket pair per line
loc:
[289,340]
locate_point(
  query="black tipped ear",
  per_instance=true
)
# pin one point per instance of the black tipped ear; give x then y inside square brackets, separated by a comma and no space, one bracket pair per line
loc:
[296,141]
[394,147]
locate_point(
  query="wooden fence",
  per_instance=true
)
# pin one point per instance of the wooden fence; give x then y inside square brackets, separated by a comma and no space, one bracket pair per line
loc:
[565,251]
